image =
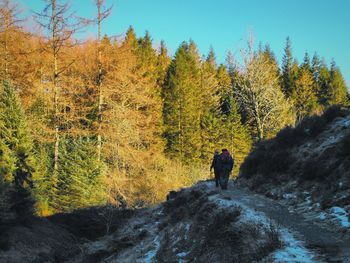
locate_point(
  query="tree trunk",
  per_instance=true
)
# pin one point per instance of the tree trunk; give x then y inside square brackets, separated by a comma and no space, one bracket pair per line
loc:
[55,83]
[99,86]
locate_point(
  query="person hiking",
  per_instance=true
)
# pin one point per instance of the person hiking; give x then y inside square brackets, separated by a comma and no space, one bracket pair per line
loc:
[216,165]
[226,166]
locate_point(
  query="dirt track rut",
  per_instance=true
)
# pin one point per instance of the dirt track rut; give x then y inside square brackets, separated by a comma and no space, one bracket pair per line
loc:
[334,246]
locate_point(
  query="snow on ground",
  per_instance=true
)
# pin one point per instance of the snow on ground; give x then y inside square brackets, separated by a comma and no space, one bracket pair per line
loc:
[289,196]
[322,216]
[152,253]
[345,121]
[181,256]
[294,250]
[340,215]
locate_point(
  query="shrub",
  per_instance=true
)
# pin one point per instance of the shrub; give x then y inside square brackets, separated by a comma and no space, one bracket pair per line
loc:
[312,126]
[94,222]
[253,161]
[334,112]
[273,242]
[278,162]
[220,229]
[266,161]
[312,170]
[290,137]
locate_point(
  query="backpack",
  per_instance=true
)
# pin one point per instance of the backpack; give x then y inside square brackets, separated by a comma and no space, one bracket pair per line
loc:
[226,159]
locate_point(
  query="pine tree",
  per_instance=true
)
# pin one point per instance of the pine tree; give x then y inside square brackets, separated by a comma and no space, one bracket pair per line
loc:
[304,96]
[306,62]
[150,105]
[324,78]
[181,110]
[234,135]
[338,91]
[7,167]
[147,57]
[80,180]
[163,62]
[15,134]
[270,58]
[315,67]
[225,89]
[130,38]
[288,74]
[210,105]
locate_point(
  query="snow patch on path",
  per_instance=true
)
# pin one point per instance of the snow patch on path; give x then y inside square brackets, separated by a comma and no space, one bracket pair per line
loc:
[294,250]
[152,253]
[339,214]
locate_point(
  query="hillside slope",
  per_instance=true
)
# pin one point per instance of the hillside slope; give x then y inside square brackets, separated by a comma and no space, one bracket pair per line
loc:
[306,168]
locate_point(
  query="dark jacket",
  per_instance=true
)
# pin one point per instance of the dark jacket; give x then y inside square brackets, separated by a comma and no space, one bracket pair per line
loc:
[226,161]
[216,162]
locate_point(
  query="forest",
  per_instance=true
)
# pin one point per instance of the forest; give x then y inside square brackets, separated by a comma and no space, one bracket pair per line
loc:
[119,121]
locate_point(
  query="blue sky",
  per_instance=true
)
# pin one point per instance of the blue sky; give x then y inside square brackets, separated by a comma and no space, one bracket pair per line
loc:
[313,25]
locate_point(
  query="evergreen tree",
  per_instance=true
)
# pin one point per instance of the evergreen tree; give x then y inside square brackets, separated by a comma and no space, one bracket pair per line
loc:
[130,38]
[148,103]
[234,135]
[80,180]
[315,71]
[338,91]
[147,57]
[163,62]
[231,65]
[181,110]
[324,84]
[225,90]
[306,62]
[7,167]
[288,69]
[304,96]
[315,67]
[211,58]
[270,57]
[210,119]
[15,134]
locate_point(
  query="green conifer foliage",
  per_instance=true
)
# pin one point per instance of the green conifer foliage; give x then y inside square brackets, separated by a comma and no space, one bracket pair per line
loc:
[306,65]
[210,118]
[15,134]
[323,83]
[7,167]
[80,177]
[303,95]
[181,110]
[234,135]
[163,62]
[287,65]
[130,38]
[338,91]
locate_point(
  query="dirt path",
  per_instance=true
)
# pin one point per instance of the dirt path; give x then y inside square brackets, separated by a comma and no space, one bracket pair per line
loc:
[334,246]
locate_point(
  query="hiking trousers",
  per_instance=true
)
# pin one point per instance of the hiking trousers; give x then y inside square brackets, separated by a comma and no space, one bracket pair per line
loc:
[217,177]
[224,176]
